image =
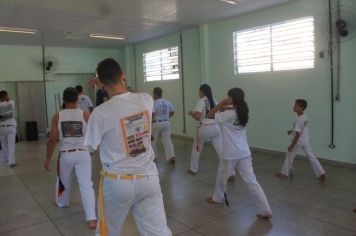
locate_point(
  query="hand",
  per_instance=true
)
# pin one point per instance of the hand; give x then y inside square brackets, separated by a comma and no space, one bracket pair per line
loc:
[289,132]
[47,165]
[95,81]
[290,148]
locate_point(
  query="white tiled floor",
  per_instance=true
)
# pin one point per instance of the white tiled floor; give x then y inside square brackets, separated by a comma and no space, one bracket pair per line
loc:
[301,207]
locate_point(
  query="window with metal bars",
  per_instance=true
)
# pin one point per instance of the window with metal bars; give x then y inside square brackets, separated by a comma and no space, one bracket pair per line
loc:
[161,64]
[282,46]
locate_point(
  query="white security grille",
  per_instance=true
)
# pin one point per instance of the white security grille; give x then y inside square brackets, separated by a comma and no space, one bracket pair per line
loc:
[283,46]
[161,64]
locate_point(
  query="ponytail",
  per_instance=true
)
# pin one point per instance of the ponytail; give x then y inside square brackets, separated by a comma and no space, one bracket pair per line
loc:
[206,90]
[238,99]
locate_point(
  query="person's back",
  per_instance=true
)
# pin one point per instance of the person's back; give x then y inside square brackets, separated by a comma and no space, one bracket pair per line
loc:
[125,145]
[101,96]
[162,109]
[7,113]
[84,103]
[72,128]
[69,126]
[129,179]
[161,126]
[7,128]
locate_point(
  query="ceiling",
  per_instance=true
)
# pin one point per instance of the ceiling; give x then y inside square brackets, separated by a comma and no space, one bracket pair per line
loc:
[68,22]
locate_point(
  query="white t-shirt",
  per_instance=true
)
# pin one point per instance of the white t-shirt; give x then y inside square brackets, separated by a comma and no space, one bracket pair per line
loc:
[234,141]
[84,103]
[7,113]
[161,109]
[122,128]
[203,106]
[72,128]
[301,125]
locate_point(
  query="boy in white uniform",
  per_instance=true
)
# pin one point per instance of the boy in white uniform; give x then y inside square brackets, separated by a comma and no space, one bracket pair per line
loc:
[235,153]
[84,101]
[7,128]
[161,124]
[129,179]
[300,139]
[69,125]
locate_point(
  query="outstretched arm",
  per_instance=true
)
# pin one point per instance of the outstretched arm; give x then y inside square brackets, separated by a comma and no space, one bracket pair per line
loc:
[221,106]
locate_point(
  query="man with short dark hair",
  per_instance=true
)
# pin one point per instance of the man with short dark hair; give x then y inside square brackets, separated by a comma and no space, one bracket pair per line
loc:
[101,96]
[161,124]
[129,179]
[69,126]
[7,128]
[84,101]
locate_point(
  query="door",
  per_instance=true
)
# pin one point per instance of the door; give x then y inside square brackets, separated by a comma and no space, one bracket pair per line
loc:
[31,106]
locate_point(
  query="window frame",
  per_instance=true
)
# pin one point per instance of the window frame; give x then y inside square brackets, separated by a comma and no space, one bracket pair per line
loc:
[272,62]
[162,63]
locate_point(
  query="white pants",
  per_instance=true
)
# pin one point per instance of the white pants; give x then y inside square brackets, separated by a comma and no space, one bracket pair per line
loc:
[205,133]
[163,128]
[288,162]
[7,139]
[81,163]
[143,197]
[244,167]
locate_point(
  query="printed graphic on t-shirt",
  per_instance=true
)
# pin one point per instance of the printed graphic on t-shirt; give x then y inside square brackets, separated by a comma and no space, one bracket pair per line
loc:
[136,131]
[6,112]
[72,129]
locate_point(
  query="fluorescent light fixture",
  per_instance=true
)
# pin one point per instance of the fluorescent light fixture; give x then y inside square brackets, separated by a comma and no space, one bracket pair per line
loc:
[230,1]
[106,36]
[17,30]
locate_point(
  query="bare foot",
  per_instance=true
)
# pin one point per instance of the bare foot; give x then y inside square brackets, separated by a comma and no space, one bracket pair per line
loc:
[322,178]
[92,224]
[191,172]
[211,200]
[264,216]
[354,210]
[231,178]
[280,175]
[13,165]
[172,160]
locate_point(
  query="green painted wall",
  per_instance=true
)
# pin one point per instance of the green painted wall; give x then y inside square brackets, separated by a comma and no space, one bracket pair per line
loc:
[271,95]
[72,67]
[208,57]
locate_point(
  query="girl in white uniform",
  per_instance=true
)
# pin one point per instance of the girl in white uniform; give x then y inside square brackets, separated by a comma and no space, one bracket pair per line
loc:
[69,125]
[235,153]
[208,129]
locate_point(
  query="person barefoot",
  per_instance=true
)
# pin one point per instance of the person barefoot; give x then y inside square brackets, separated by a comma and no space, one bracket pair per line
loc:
[236,153]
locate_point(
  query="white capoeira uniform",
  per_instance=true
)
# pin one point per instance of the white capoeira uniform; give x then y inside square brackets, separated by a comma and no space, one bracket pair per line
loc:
[161,125]
[8,131]
[84,103]
[74,155]
[236,154]
[301,125]
[207,129]
[129,182]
